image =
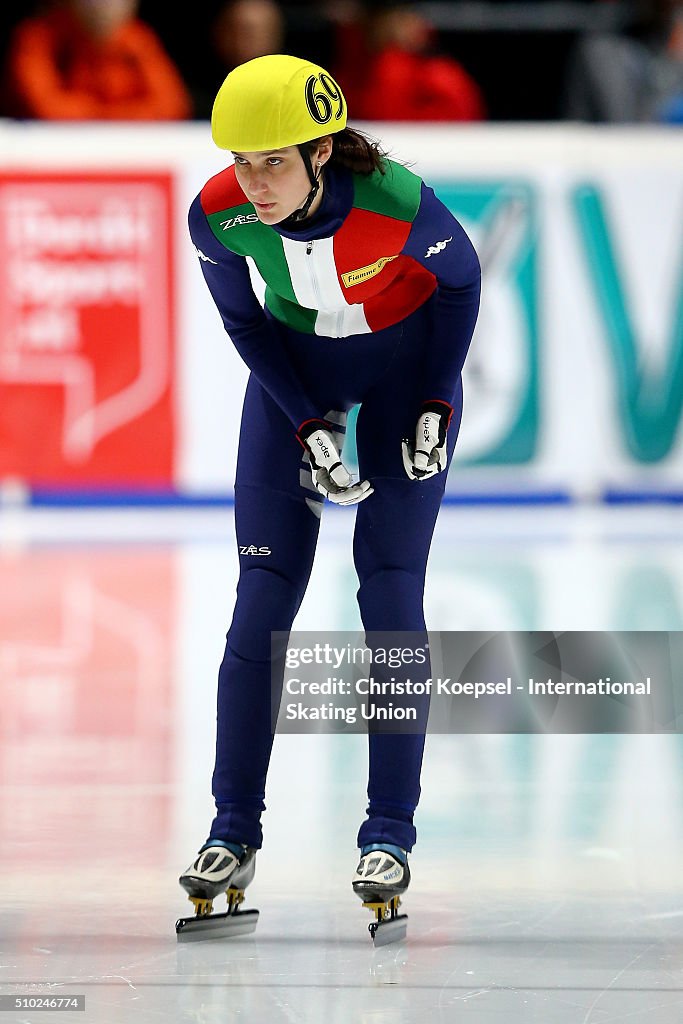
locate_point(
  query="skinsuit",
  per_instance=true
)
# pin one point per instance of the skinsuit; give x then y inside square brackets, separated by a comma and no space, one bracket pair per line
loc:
[372,301]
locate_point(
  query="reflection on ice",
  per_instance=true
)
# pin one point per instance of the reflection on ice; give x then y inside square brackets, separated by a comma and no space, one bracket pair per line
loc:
[546,880]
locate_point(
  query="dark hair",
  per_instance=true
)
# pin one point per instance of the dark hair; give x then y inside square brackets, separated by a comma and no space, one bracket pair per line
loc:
[353,149]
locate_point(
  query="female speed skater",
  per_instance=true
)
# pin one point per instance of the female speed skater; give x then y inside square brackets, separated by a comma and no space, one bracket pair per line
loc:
[372,294]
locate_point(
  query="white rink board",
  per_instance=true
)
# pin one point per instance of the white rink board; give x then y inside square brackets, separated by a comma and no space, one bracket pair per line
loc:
[575,378]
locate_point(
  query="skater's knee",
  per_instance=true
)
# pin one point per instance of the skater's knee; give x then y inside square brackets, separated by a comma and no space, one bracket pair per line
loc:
[381,583]
[391,599]
[265,601]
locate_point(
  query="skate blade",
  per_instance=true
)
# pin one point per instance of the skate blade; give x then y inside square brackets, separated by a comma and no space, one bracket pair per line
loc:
[394,929]
[217,926]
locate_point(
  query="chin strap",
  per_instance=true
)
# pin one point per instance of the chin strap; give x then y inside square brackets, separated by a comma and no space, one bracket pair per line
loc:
[315,182]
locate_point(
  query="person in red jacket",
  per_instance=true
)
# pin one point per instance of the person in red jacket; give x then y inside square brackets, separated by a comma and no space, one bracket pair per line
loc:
[390,69]
[92,60]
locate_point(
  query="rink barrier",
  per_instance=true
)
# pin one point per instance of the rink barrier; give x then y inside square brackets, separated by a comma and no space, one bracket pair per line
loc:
[573,385]
[643,497]
[109,499]
[126,499]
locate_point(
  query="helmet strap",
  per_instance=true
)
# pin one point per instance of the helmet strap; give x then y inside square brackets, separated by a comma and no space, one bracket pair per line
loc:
[315,182]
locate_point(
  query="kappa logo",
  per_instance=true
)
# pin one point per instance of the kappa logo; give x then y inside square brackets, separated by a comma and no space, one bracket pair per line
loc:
[365,273]
[242,218]
[203,257]
[251,549]
[433,250]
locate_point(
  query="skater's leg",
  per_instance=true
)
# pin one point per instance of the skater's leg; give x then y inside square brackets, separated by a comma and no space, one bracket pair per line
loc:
[392,538]
[277,518]
[390,599]
[269,593]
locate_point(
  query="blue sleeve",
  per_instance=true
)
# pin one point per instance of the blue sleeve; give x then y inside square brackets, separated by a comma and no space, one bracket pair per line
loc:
[439,244]
[259,345]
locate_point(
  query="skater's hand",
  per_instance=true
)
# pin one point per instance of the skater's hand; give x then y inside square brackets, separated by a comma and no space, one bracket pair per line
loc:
[330,476]
[350,495]
[426,455]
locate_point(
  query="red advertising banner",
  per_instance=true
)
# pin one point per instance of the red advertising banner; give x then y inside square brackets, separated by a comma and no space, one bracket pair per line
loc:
[86,329]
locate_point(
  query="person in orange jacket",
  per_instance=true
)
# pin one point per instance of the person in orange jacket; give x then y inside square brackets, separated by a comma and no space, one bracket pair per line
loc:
[92,60]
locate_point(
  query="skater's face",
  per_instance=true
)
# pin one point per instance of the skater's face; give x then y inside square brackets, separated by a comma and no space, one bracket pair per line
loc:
[276,182]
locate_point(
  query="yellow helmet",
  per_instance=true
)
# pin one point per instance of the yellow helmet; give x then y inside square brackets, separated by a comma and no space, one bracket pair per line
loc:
[276,101]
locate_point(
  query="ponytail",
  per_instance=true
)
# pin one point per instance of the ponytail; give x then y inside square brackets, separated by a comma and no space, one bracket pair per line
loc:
[356,151]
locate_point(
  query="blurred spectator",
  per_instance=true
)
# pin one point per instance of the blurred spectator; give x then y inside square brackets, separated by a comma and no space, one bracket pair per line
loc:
[626,79]
[389,67]
[240,31]
[671,108]
[91,60]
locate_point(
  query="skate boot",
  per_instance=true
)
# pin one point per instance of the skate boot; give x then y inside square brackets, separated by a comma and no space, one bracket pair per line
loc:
[381,878]
[220,867]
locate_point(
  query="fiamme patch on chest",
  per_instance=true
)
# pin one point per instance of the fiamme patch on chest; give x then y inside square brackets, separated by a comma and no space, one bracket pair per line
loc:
[365,273]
